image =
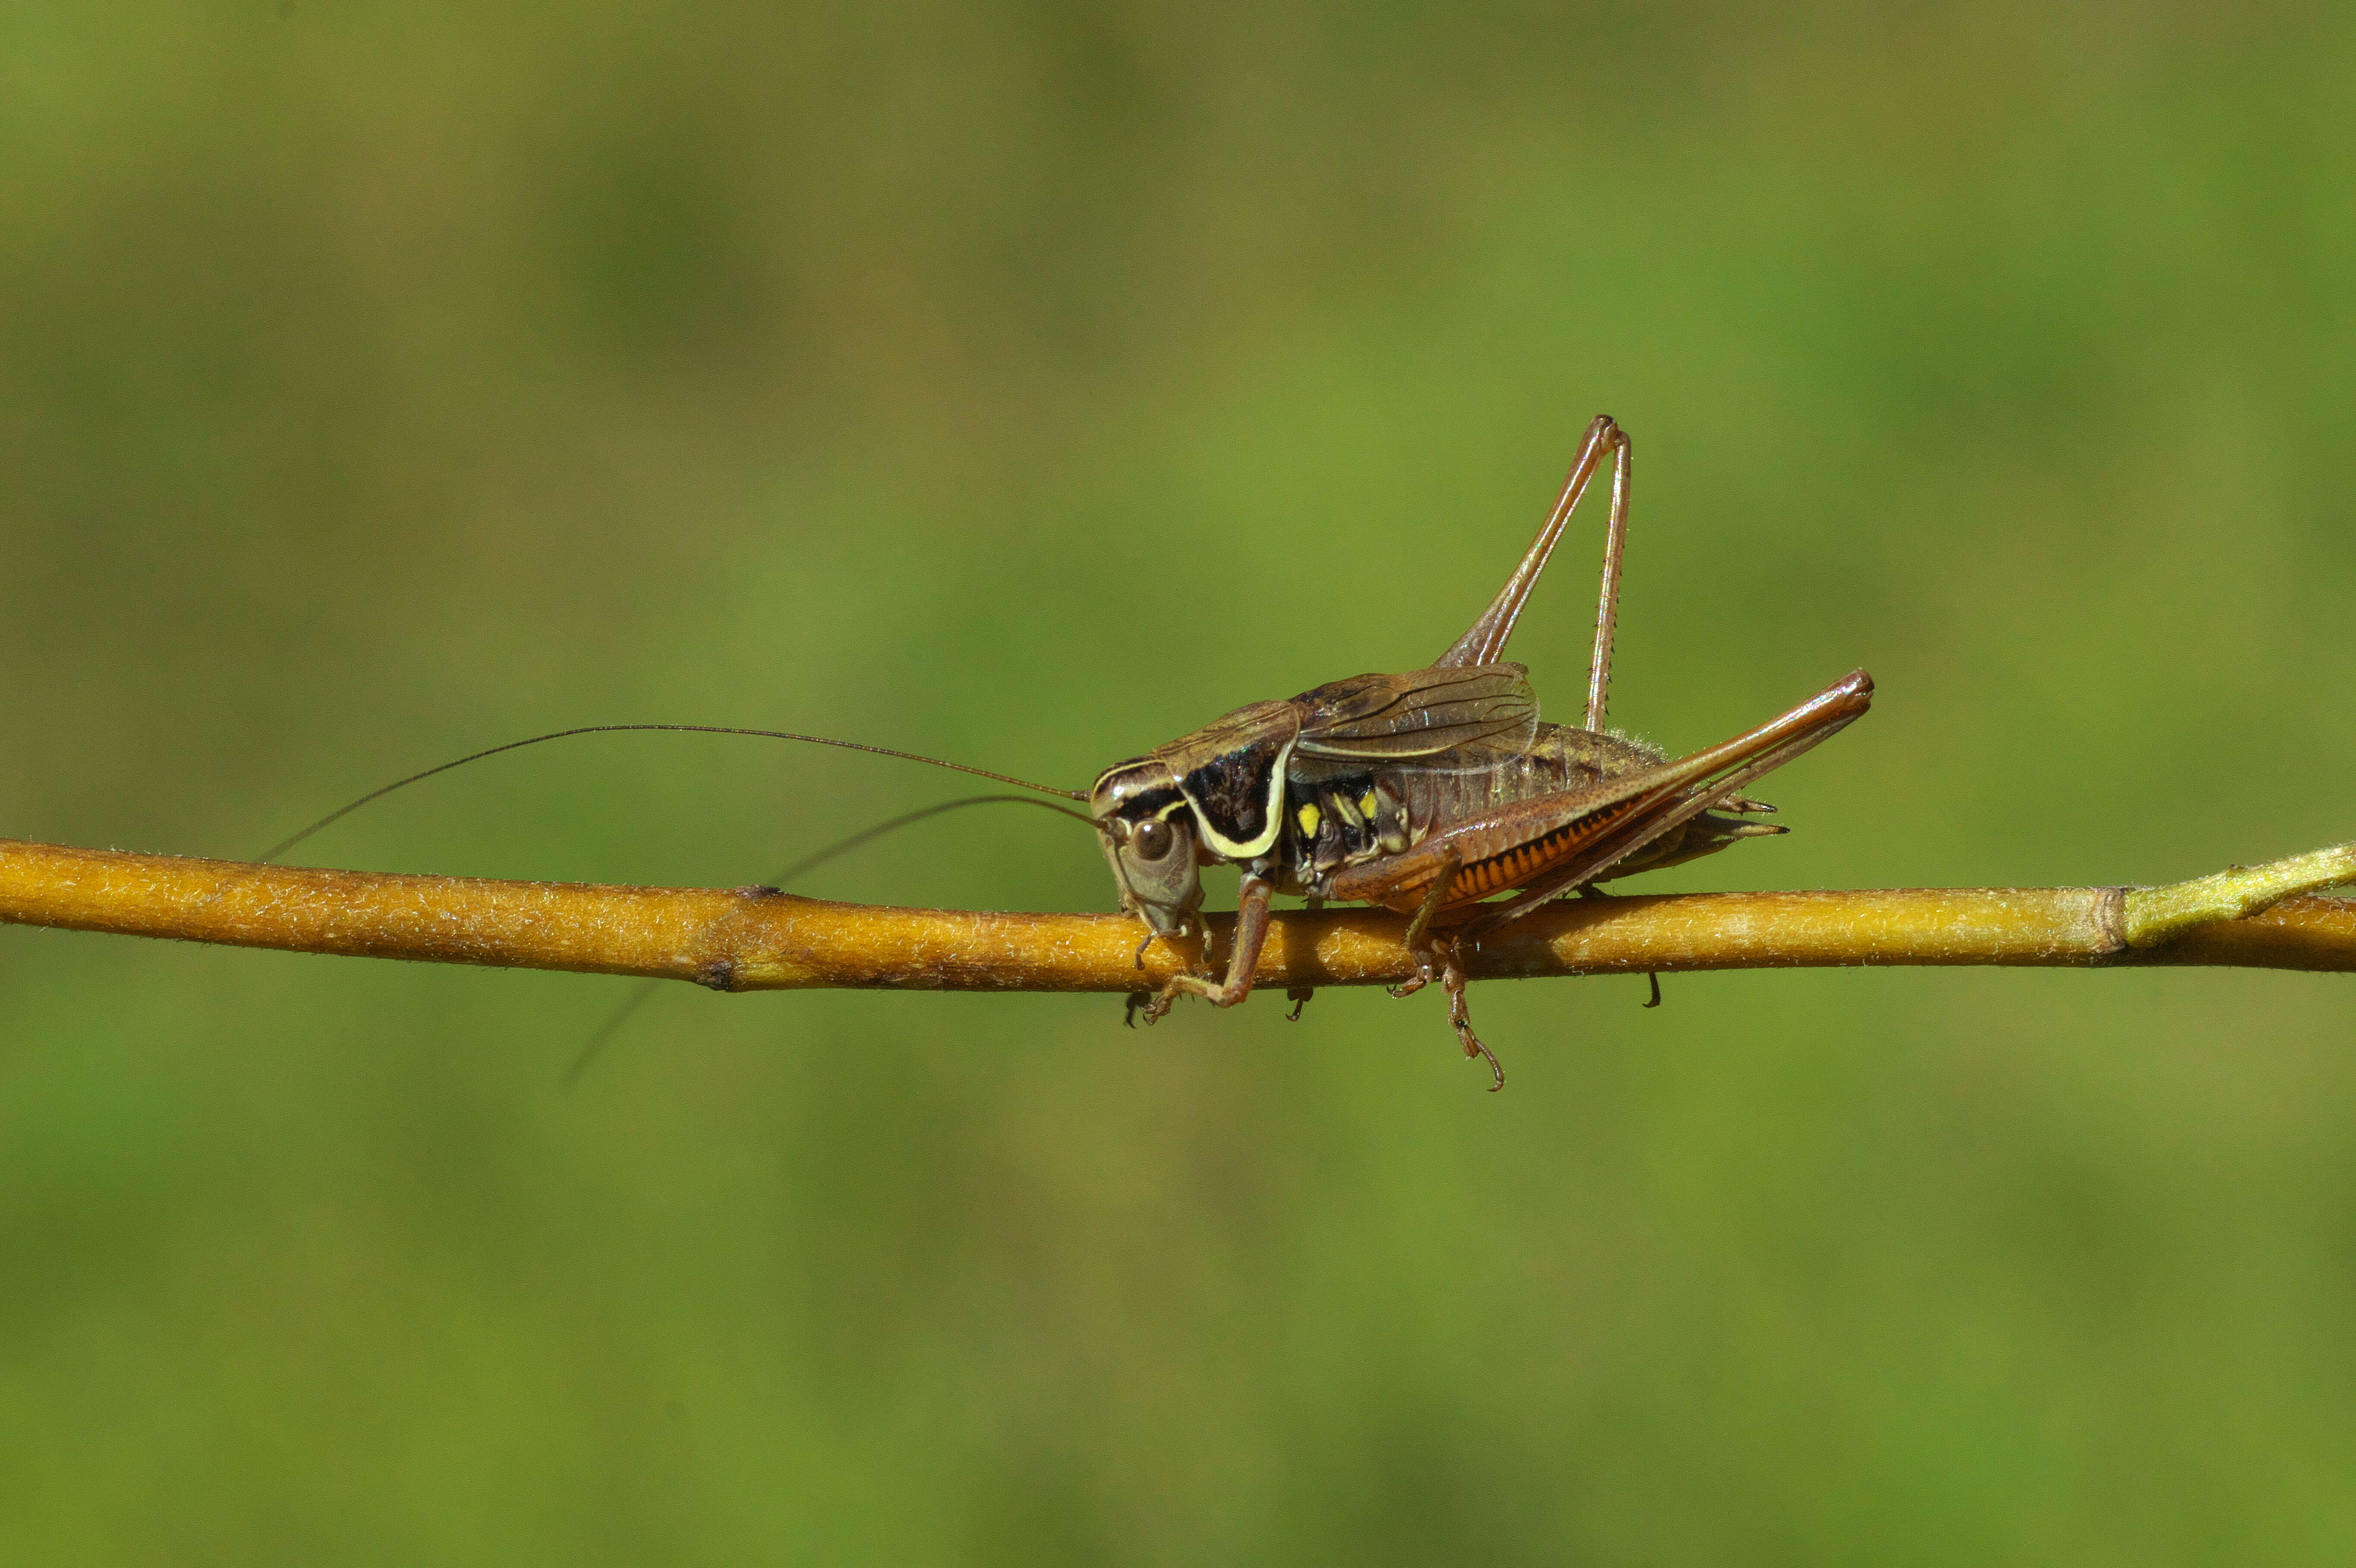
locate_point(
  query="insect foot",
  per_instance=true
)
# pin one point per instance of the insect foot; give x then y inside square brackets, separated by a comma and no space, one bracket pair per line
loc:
[1154,1007]
[1435,959]
[1157,1007]
[1460,1017]
[1427,967]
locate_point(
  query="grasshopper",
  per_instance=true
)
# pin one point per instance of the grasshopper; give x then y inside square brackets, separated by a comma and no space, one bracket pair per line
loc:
[1432,792]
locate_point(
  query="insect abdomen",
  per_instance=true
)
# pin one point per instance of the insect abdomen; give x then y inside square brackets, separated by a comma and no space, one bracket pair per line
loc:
[1525,863]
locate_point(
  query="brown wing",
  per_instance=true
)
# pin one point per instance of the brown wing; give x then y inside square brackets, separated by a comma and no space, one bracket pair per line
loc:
[1421,715]
[1551,843]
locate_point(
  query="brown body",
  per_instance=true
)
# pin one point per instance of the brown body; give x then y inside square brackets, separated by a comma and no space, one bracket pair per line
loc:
[1341,823]
[1436,791]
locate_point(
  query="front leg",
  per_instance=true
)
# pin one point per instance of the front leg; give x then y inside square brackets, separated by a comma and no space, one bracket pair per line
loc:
[1251,934]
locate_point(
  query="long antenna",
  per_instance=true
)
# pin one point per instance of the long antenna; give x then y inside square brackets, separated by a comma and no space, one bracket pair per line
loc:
[807,863]
[341,813]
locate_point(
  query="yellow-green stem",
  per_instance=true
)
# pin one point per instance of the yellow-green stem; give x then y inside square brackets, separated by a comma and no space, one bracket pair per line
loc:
[755,939]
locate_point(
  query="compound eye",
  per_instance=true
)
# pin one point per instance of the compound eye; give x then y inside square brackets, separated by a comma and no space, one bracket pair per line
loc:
[1152,839]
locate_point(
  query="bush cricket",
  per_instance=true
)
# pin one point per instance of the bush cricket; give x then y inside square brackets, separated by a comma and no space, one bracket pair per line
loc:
[1432,792]
[1437,793]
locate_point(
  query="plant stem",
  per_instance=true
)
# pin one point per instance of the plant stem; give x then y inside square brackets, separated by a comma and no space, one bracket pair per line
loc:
[759,939]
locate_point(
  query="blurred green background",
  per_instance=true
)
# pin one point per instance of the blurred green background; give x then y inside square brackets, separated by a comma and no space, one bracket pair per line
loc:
[1027,384]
